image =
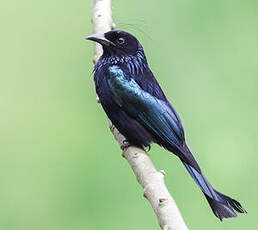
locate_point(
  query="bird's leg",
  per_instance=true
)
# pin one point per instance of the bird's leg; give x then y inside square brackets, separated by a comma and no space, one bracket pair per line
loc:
[125,145]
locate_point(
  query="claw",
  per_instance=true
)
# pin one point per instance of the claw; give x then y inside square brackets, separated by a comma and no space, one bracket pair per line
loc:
[148,148]
[125,145]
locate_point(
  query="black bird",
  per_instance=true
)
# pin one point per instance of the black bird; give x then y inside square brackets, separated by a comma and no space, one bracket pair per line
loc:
[137,106]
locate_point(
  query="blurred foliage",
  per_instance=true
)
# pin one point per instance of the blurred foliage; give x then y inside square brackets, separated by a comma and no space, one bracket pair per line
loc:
[60,167]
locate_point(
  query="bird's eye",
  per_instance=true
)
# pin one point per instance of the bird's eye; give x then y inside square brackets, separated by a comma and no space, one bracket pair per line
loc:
[121,40]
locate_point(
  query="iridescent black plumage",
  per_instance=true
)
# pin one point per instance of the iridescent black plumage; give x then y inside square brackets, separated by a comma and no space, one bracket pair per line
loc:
[136,105]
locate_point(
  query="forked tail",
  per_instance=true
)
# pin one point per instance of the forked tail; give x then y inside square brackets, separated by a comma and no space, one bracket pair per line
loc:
[221,205]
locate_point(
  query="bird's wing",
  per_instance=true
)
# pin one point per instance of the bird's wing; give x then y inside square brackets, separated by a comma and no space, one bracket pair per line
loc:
[155,114]
[148,83]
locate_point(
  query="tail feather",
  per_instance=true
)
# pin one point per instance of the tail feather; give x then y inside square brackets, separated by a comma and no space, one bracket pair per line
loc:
[233,203]
[220,209]
[221,205]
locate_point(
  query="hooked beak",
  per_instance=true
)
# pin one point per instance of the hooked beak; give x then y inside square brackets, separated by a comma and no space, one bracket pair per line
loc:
[100,38]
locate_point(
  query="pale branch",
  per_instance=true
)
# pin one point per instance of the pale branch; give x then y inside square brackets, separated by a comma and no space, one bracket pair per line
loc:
[102,21]
[152,181]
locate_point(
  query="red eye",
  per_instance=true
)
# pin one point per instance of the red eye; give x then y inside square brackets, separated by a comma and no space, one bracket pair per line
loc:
[121,40]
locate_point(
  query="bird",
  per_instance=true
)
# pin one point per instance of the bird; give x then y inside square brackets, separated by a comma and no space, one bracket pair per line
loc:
[136,105]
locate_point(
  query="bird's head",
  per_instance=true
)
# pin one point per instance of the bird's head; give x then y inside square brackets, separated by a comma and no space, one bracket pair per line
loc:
[117,43]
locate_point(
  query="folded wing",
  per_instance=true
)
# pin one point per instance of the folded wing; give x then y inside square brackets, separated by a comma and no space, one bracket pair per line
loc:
[154,114]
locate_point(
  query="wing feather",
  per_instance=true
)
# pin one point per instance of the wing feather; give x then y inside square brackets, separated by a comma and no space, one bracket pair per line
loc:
[156,115]
[149,110]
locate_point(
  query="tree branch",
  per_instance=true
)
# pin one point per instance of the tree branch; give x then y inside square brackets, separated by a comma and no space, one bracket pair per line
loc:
[148,177]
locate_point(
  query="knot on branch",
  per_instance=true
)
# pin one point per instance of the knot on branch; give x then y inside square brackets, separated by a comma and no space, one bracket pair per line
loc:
[162,202]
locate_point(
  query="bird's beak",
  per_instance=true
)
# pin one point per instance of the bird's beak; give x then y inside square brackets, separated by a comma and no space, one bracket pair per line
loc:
[100,38]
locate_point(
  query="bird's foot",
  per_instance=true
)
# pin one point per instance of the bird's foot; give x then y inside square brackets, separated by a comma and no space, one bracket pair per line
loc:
[125,145]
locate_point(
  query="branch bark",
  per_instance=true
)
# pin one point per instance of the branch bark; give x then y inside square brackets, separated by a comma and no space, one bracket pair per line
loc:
[151,180]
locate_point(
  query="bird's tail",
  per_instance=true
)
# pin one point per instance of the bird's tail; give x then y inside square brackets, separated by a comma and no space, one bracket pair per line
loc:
[221,205]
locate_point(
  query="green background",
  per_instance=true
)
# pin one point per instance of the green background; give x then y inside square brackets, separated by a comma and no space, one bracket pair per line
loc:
[60,168]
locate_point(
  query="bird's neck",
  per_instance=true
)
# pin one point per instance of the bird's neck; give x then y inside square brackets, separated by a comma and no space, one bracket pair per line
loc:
[135,63]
